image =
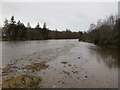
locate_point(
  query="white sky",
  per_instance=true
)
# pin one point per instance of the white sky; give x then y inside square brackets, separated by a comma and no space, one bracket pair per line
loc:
[76,16]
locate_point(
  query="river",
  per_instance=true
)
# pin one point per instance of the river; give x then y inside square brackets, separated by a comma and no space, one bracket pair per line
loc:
[87,65]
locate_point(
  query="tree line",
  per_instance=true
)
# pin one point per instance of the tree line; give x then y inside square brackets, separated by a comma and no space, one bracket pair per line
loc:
[13,30]
[105,32]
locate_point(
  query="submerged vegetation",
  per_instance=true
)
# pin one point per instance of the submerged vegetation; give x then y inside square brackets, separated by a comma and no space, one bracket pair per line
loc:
[23,81]
[105,32]
[13,30]
[8,69]
[37,66]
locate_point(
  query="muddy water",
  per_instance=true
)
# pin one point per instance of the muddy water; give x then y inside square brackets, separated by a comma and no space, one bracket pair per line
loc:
[72,64]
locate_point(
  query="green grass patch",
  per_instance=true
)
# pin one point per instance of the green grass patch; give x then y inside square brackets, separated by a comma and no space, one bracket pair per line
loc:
[23,81]
[36,66]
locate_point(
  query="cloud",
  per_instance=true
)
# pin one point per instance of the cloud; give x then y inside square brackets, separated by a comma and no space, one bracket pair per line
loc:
[73,15]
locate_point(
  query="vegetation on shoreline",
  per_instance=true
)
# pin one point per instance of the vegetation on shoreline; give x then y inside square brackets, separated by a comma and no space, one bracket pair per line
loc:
[23,81]
[105,32]
[8,69]
[13,30]
[37,66]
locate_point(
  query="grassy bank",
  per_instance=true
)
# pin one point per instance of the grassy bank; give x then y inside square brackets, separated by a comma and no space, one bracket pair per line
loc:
[23,81]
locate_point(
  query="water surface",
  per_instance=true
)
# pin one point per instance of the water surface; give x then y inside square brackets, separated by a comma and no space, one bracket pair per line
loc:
[88,65]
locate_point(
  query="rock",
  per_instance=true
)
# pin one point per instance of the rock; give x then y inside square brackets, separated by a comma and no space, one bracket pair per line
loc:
[85,77]
[69,64]
[66,72]
[75,67]
[75,72]
[58,81]
[78,57]
[44,73]
[63,82]
[30,59]
[54,86]
[64,62]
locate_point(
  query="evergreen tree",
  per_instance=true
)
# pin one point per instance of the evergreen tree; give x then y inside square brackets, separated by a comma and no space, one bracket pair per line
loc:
[37,26]
[28,25]
[44,26]
[13,29]
[21,31]
[12,20]
[80,35]
[5,31]
[45,31]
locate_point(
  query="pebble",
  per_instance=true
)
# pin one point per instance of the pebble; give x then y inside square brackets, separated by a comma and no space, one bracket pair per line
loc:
[85,77]
[63,82]
[66,72]
[58,81]
[44,73]
[69,64]
[54,86]
[64,62]
[75,72]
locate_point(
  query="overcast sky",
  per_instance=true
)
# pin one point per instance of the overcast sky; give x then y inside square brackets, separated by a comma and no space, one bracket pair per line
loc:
[60,15]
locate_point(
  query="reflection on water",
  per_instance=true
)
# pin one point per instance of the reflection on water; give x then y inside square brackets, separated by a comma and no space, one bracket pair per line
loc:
[108,56]
[17,49]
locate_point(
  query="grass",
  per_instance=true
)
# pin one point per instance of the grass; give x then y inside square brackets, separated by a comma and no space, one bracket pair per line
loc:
[36,66]
[23,81]
[8,69]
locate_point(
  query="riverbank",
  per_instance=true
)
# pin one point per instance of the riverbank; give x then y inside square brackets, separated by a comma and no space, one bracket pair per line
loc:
[37,39]
[103,45]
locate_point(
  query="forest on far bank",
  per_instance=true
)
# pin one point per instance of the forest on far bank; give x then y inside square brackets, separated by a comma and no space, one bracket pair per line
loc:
[13,30]
[104,32]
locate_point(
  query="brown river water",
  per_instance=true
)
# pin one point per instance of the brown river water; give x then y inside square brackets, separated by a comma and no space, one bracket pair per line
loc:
[87,65]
